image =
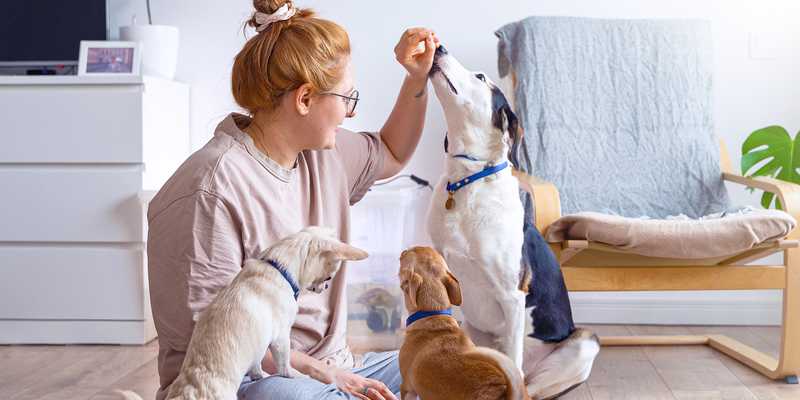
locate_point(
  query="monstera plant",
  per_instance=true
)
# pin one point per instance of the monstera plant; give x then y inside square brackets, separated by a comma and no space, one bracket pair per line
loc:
[771,152]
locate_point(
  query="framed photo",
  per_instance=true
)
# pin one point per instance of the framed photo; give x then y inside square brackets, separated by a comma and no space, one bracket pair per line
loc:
[109,58]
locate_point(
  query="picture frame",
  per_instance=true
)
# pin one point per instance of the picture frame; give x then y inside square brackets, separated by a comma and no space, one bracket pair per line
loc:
[109,58]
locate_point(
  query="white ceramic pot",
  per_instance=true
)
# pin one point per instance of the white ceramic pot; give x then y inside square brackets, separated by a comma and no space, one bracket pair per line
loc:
[159,47]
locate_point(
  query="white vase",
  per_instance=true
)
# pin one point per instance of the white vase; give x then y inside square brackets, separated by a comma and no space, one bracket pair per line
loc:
[159,47]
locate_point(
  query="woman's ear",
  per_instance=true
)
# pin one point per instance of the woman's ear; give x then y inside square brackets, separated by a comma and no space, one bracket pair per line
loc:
[303,97]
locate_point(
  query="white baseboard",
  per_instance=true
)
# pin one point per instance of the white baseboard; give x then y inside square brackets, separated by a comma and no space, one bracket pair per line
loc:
[75,332]
[752,307]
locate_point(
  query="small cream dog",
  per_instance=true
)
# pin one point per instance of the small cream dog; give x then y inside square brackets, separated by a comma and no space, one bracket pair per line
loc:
[255,312]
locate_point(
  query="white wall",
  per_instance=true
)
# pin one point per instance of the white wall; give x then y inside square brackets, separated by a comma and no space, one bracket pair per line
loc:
[749,93]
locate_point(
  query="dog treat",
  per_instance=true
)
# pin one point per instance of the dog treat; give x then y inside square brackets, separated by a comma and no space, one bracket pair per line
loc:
[420,48]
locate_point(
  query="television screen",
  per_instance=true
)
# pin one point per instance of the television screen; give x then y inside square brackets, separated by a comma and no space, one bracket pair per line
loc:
[48,31]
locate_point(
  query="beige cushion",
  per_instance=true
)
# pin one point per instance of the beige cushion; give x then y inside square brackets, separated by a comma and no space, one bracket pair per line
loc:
[712,236]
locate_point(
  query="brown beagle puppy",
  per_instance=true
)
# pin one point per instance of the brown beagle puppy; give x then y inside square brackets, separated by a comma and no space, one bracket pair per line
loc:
[437,360]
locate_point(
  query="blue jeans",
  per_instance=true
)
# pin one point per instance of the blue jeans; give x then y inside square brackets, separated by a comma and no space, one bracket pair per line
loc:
[382,367]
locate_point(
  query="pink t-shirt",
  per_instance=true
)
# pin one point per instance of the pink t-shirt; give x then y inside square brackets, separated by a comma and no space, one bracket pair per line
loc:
[228,201]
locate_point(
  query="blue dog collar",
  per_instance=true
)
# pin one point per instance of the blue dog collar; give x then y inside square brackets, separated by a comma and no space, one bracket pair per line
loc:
[287,276]
[425,314]
[452,187]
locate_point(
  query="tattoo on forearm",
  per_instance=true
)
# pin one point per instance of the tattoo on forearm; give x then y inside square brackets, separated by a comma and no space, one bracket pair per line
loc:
[420,94]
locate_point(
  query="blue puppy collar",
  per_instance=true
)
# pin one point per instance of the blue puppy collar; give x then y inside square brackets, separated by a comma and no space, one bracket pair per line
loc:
[425,314]
[287,276]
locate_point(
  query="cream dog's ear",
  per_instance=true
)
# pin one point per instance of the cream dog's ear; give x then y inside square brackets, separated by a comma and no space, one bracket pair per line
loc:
[330,246]
[453,288]
[343,251]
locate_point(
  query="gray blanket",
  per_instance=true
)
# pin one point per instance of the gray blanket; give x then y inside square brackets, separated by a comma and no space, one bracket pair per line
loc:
[617,113]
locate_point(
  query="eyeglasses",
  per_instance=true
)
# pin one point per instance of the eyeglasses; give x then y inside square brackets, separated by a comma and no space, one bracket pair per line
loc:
[350,101]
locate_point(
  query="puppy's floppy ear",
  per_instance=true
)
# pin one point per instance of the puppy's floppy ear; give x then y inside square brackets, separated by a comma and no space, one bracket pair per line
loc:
[453,289]
[410,282]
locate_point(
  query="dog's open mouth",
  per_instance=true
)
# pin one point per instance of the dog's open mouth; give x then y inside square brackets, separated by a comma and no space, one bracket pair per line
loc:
[436,68]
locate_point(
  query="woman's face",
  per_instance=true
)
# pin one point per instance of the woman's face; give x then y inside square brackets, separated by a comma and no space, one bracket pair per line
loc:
[329,111]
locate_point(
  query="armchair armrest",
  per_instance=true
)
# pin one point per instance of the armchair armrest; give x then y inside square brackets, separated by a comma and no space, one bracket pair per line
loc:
[546,200]
[788,193]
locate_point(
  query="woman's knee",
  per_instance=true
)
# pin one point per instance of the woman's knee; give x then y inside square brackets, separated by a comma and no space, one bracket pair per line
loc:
[278,387]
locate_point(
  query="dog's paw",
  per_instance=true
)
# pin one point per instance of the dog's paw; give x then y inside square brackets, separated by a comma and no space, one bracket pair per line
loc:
[256,374]
[409,396]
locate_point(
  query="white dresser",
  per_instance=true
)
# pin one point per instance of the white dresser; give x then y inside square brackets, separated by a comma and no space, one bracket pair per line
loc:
[75,156]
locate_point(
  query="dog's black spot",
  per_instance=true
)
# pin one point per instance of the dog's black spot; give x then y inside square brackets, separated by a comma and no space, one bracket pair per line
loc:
[547,292]
[506,121]
[434,69]
[445,142]
[501,112]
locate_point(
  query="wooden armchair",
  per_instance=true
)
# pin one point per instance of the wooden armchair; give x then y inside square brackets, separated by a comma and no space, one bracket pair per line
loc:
[591,266]
[622,82]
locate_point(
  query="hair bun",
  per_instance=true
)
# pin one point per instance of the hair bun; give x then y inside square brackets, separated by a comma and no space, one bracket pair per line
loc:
[270,6]
[292,47]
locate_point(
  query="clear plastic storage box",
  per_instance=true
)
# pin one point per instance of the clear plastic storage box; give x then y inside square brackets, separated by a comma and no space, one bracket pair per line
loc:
[388,220]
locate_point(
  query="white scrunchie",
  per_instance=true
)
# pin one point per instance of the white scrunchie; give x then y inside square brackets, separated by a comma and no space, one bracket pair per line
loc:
[282,14]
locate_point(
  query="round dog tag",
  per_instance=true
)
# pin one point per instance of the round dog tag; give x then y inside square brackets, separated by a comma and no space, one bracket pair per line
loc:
[450,203]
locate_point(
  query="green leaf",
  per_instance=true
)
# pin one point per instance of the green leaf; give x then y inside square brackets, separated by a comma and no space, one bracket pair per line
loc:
[781,153]
[754,157]
[776,144]
[766,199]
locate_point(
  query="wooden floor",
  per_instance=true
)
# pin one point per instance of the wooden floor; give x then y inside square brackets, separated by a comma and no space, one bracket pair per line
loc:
[635,373]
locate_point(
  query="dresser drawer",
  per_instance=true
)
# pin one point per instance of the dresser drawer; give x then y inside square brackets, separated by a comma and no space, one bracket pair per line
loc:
[65,282]
[71,124]
[71,203]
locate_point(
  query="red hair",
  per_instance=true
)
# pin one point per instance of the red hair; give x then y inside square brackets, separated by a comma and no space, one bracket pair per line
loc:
[286,55]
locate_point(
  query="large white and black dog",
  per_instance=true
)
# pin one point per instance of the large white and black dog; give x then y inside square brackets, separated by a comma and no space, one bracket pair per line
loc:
[476,221]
